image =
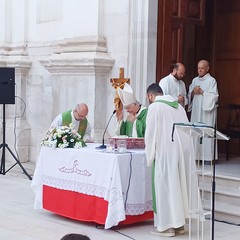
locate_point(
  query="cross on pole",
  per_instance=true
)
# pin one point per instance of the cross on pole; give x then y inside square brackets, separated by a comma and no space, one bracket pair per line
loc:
[119,82]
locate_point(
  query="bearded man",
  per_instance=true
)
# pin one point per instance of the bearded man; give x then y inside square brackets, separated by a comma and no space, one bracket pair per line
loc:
[172,163]
[173,85]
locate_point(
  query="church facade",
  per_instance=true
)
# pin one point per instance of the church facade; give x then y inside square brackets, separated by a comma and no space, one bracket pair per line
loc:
[65,52]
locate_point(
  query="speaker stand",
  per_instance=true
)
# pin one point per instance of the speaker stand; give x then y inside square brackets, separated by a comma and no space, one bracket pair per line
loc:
[4,146]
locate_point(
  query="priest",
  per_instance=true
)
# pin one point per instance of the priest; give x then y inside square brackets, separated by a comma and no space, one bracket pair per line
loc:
[132,119]
[203,100]
[77,117]
[173,84]
[172,161]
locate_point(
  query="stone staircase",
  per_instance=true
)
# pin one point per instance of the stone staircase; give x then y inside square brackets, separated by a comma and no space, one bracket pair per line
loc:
[227,197]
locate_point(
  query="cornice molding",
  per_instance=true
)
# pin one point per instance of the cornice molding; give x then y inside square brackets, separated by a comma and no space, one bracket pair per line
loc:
[13,49]
[82,44]
[81,56]
[22,66]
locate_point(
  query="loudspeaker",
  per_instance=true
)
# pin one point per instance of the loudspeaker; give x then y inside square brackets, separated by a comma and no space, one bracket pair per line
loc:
[7,85]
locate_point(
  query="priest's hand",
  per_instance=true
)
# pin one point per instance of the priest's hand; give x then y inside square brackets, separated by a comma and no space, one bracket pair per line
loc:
[181,99]
[119,114]
[197,90]
[131,117]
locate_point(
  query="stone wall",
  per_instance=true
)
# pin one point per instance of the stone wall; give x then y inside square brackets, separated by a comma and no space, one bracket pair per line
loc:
[65,52]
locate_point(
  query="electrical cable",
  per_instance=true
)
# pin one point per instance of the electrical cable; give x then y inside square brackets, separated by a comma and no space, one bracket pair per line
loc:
[129,181]
[126,198]
[226,222]
[125,235]
[98,226]
[15,124]
[222,221]
[101,227]
[125,202]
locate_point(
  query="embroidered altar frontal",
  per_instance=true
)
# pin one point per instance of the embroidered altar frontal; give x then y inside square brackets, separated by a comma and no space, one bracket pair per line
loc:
[93,185]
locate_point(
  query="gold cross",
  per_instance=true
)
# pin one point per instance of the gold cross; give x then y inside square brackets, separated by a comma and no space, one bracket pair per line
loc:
[119,82]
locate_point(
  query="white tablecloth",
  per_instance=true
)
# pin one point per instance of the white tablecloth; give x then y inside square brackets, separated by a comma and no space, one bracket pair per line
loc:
[121,179]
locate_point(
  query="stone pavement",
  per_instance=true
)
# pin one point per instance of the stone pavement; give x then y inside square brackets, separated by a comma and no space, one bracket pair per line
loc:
[18,219]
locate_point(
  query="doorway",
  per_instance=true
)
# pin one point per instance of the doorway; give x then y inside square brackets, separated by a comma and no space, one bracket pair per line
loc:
[191,30]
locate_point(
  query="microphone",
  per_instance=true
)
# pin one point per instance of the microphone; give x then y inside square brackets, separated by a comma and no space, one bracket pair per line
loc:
[103,146]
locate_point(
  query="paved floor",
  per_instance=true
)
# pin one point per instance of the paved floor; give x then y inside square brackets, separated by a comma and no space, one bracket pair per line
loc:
[18,219]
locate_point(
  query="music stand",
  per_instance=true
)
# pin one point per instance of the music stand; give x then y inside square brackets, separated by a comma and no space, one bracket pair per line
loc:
[202,130]
[5,146]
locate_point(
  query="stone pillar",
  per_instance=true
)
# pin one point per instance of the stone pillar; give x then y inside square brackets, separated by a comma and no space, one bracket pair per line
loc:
[79,69]
[142,46]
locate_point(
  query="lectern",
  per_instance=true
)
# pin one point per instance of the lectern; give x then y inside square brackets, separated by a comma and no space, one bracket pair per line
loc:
[202,130]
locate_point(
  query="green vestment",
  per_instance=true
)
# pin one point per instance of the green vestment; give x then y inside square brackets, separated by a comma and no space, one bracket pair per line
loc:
[127,126]
[67,119]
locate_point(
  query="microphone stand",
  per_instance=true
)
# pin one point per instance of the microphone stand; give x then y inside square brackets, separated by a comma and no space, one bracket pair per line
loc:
[103,146]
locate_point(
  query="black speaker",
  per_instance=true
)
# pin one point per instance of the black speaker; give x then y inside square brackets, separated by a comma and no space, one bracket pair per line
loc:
[7,85]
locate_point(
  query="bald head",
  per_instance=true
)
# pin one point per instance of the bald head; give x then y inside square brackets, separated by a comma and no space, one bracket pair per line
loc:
[81,111]
[203,67]
[178,65]
[178,71]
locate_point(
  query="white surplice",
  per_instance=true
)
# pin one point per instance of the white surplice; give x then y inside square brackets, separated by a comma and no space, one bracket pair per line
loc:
[204,109]
[174,87]
[172,163]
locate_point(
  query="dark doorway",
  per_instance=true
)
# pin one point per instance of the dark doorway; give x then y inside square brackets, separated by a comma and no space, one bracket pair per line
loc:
[190,30]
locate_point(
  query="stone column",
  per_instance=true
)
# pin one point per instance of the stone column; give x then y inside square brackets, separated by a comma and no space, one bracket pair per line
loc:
[142,47]
[79,69]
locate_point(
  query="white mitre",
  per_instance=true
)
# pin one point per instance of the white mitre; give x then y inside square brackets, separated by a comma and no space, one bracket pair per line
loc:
[126,95]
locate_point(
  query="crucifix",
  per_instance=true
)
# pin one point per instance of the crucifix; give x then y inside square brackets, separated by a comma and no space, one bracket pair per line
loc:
[119,82]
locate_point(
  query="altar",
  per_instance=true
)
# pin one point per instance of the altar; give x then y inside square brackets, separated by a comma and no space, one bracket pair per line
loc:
[92,185]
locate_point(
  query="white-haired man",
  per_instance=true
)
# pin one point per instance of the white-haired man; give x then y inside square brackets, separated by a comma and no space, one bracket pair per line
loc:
[133,124]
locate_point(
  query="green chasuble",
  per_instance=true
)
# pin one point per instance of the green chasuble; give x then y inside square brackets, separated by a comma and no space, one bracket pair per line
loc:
[174,105]
[127,127]
[67,119]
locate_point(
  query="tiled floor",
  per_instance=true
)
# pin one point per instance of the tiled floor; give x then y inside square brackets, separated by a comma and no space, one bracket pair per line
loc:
[18,219]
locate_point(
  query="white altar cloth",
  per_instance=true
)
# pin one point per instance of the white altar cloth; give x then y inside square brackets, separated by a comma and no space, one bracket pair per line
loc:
[123,180]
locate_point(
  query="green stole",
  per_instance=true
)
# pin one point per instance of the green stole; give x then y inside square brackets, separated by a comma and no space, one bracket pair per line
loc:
[127,127]
[174,105]
[67,119]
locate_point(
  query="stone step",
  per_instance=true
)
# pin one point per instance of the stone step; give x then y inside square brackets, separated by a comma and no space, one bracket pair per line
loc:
[224,212]
[227,197]
[221,180]
[222,194]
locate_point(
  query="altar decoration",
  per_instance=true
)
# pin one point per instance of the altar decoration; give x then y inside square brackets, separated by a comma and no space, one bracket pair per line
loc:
[63,137]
